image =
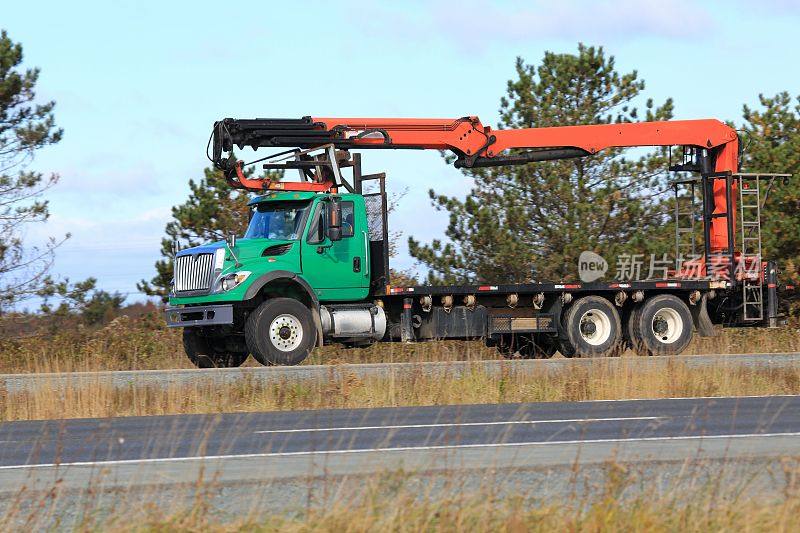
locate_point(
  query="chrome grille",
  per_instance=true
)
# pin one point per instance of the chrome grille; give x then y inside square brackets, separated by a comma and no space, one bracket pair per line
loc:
[193,272]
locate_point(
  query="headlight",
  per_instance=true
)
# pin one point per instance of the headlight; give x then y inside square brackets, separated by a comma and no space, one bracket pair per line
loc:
[232,280]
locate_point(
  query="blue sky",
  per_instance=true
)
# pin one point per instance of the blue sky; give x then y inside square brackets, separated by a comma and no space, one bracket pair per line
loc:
[139,84]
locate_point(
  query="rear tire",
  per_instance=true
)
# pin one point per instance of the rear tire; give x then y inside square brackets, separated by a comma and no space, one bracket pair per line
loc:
[626,341]
[630,330]
[202,353]
[662,326]
[280,332]
[592,328]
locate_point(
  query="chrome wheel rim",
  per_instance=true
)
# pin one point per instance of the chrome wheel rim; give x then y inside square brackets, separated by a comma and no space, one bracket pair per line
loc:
[667,325]
[286,332]
[595,327]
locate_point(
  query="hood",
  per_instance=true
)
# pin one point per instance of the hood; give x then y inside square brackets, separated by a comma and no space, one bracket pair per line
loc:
[246,249]
[209,248]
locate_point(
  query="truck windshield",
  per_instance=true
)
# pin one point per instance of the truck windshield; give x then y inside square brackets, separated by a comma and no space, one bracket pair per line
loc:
[277,220]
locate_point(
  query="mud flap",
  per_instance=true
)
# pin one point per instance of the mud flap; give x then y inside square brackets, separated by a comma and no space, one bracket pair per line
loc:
[702,322]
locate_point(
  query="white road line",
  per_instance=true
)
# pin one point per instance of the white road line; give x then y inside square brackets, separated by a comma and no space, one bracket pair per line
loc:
[456,424]
[398,449]
[743,397]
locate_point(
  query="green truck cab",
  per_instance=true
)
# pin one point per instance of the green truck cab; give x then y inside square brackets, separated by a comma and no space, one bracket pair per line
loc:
[301,251]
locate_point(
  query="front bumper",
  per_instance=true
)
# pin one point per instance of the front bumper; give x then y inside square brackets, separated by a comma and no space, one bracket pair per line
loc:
[199,315]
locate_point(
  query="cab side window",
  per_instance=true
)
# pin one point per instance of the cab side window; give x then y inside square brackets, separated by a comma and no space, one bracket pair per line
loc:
[348,219]
[316,232]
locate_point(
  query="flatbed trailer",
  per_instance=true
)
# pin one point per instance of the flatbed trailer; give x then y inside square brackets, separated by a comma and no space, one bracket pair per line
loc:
[313,267]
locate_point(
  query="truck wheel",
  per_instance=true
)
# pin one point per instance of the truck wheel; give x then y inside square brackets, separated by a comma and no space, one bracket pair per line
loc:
[629,335]
[202,353]
[626,339]
[663,326]
[592,328]
[280,332]
[565,348]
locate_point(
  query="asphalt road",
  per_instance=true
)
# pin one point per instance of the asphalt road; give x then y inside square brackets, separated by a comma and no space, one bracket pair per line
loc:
[13,383]
[238,447]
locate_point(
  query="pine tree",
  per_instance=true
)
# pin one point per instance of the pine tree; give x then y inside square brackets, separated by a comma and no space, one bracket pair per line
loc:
[534,220]
[771,142]
[25,127]
[94,306]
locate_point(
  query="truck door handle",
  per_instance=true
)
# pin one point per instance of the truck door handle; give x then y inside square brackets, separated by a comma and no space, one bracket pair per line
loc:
[356,264]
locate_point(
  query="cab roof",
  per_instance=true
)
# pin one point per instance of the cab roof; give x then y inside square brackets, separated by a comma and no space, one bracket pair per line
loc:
[282,196]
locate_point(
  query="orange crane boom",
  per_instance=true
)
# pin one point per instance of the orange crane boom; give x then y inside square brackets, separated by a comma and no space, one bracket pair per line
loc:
[715,145]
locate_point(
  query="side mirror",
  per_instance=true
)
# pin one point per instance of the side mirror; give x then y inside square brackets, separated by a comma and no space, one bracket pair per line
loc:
[335,219]
[335,234]
[231,240]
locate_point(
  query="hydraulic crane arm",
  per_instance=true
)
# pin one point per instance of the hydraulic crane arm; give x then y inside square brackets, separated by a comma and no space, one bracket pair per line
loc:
[476,145]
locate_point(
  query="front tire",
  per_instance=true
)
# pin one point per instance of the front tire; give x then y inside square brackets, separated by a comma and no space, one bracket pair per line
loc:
[662,326]
[280,332]
[592,328]
[203,354]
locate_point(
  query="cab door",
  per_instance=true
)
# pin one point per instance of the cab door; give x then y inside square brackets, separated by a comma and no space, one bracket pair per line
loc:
[336,270]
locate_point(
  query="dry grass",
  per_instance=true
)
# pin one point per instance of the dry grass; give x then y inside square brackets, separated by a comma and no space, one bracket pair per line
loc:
[607,510]
[144,343]
[596,381]
[124,344]
[392,501]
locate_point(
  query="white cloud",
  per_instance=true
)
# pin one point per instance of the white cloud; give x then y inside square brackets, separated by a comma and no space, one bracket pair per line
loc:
[104,173]
[127,234]
[117,251]
[475,25]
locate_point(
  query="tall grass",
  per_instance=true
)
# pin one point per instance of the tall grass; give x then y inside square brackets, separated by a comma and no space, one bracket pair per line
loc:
[620,500]
[143,342]
[597,381]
